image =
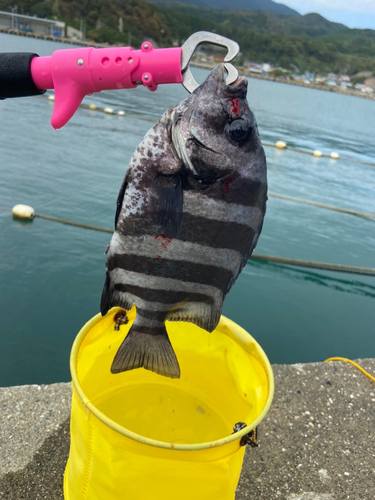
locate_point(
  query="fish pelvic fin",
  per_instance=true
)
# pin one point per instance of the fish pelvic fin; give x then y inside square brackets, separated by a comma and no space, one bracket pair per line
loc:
[152,352]
[206,316]
[111,298]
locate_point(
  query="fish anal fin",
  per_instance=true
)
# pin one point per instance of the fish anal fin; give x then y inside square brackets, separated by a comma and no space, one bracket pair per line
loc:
[152,352]
[170,200]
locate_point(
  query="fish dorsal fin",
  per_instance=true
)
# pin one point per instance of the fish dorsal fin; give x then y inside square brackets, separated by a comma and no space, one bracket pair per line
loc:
[120,197]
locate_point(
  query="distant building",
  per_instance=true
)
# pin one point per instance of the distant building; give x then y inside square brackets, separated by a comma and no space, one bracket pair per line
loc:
[332,76]
[363,88]
[308,77]
[344,78]
[370,82]
[30,24]
[73,33]
[266,68]
[254,67]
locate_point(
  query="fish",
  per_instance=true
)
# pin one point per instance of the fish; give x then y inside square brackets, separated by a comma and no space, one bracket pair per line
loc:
[189,214]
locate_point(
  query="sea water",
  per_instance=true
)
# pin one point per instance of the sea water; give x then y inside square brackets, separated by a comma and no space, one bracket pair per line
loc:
[51,275]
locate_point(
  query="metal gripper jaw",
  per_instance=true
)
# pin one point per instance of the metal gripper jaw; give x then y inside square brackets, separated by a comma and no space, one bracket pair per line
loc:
[199,38]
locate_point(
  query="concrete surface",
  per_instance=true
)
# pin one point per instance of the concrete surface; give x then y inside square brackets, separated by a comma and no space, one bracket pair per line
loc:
[316,443]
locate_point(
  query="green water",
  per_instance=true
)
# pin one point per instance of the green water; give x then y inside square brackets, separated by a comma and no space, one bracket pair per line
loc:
[52,275]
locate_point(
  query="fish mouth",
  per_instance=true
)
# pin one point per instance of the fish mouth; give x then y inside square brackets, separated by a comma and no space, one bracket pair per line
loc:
[241,80]
[236,89]
[239,84]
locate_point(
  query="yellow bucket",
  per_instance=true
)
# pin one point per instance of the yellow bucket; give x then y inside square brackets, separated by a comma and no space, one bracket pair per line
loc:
[140,436]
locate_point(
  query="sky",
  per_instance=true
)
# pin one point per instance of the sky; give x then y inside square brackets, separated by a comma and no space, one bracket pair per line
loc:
[352,13]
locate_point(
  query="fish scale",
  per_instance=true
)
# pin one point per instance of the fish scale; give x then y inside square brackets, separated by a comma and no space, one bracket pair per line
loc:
[189,214]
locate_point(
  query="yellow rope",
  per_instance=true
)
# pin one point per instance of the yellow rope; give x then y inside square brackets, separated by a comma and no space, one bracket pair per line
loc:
[354,364]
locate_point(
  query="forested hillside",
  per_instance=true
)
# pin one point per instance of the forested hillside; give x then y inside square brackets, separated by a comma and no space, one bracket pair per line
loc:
[295,42]
[259,5]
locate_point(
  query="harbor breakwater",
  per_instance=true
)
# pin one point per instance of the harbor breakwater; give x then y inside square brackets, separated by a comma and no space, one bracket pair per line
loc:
[316,443]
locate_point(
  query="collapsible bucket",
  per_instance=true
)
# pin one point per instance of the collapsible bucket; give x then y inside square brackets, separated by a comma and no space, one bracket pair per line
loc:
[140,436]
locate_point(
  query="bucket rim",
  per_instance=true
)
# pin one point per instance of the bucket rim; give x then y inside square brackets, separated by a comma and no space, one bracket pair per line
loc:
[240,335]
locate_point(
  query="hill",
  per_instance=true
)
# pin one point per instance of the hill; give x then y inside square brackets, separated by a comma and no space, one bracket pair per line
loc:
[257,5]
[297,43]
[311,25]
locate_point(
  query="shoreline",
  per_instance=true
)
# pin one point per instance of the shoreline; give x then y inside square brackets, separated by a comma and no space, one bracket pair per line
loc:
[334,89]
[243,71]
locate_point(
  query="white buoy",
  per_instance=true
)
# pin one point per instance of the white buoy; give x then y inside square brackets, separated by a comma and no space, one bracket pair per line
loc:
[317,153]
[23,212]
[92,106]
[51,97]
[334,155]
[280,145]
[109,111]
[121,113]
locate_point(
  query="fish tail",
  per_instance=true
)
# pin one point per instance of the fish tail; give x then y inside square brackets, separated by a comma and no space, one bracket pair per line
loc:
[151,351]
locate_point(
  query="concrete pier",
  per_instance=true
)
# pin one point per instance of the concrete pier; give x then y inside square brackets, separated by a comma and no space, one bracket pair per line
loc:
[316,443]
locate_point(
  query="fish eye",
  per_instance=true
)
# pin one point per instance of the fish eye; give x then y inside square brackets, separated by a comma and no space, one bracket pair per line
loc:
[238,130]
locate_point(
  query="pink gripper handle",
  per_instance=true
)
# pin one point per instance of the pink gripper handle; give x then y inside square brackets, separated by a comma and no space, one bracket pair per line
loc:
[75,73]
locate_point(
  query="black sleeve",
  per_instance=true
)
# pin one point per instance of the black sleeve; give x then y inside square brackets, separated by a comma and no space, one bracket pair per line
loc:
[15,75]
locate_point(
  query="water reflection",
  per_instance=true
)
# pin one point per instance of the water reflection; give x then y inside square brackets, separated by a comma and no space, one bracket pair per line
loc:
[353,286]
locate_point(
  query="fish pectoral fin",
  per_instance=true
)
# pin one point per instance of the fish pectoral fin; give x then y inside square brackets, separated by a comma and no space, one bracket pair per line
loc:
[170,199]
[152,352]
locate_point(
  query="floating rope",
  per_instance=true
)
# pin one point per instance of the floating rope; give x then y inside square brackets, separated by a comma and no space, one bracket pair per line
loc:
[72,223]
[324,266]
[319,154]
[364,271]
[354,364]
[94,107]
[328,207]
[296,200]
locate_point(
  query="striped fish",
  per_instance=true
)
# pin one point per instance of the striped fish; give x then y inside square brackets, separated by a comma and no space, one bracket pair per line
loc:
[189,214]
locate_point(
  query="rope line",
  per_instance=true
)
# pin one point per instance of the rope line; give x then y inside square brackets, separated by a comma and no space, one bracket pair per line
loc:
[94,107]
[72,223]
[324,266]
[321,205]
[354,364]
[364,271]
[303,151]
[295,200]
